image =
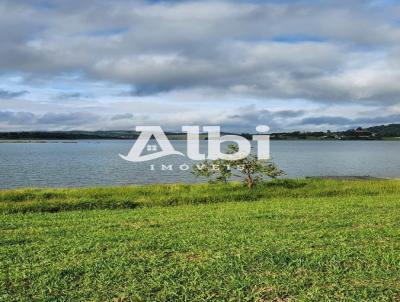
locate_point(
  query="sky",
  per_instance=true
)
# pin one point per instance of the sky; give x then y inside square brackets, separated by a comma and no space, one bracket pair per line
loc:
[111,65]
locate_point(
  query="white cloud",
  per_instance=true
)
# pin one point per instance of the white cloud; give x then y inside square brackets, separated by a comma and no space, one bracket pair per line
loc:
[329,53]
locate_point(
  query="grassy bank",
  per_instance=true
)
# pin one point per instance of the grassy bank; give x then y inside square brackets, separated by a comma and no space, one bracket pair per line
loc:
[304,240]
[55,200]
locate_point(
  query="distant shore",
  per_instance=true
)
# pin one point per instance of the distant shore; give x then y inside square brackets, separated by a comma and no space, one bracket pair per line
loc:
[76,140]
[383,132]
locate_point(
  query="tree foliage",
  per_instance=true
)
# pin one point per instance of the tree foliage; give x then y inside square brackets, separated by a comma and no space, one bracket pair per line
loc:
[251,169]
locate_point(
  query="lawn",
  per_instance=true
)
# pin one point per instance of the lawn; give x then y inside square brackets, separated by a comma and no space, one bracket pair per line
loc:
[288,240]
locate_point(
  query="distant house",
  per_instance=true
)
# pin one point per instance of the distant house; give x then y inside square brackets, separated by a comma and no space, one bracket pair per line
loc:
[360,133]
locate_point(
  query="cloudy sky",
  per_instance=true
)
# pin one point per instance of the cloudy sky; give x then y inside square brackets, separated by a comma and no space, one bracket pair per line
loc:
[293,65]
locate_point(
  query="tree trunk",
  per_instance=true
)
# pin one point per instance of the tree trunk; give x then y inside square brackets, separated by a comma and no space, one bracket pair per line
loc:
[250,182]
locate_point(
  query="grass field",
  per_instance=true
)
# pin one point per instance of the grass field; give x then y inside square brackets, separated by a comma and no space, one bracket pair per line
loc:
[289,240]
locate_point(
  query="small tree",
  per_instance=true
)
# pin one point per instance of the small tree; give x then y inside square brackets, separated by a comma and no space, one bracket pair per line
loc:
[250,168]
[216,171]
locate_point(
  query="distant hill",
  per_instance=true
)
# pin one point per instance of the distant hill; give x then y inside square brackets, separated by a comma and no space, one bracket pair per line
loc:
[391,131]
[60,135]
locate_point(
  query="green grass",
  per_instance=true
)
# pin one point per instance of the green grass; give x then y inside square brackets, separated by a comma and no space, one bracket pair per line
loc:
[298,240]
[55,200]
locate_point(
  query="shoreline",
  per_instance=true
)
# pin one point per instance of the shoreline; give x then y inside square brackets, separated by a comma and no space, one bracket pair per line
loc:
[167,184]
[66,141]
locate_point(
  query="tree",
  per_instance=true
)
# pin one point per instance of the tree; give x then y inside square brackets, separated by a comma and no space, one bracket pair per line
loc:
[250,168]
[216,171]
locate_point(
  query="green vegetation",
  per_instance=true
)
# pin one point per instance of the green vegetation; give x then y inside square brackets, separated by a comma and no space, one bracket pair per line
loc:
[252,170]
[383,132]
[287,240]
[54,200]
[77,135]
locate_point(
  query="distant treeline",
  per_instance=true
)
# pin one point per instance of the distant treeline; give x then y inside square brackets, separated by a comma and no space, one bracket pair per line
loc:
[391,131]
[67,135]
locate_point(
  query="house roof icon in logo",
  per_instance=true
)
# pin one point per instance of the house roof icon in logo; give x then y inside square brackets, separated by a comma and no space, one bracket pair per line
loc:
[142,143]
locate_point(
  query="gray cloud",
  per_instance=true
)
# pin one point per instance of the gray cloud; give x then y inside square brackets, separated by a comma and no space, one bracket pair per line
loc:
[70,95]
[289,113]
[68,119]
[17,118]
[392,118]
[247,118]
[326,54]
[343,122]
[256,117]
[124,116]
[242,119]
[330,51]
[63,120]
[326,120]
[5,94]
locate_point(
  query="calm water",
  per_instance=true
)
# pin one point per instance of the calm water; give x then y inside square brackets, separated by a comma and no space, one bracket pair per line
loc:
[94,163]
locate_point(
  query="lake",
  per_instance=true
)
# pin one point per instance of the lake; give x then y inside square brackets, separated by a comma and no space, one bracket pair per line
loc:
[97,163]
